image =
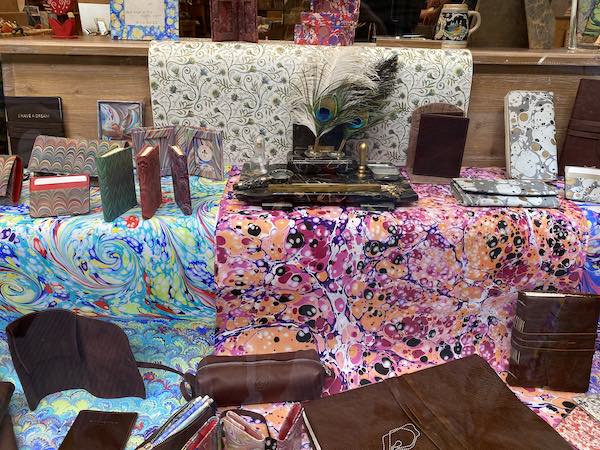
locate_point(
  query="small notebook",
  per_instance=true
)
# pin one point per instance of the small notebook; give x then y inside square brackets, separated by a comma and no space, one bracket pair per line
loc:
[148,171]
[181,179]
[530,141]
[117,185]
[98,430]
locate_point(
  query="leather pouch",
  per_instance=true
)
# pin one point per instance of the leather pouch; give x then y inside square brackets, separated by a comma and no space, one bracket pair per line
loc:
[11,179]
[253,379]
[7,435]
[59,196]
[99,430]
[504,193]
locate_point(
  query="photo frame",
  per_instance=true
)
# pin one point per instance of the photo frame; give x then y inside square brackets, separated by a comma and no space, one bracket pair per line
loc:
[144,20]
[118,118]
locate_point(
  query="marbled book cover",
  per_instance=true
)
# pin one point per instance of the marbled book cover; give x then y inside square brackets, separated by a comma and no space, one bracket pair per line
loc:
[530,135]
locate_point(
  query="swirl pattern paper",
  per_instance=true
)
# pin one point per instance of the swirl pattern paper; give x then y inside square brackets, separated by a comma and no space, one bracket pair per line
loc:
[59,202]
[241,89]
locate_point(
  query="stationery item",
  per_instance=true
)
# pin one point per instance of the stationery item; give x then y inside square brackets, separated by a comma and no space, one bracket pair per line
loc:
[590,403]
[28,117]
[234,20]
[582,144]
[11,179]
[530,135]
[205,153]
[117,187]
[55,350]
[148,171]
[553,340]
[324,28]
[453,25]
[117,119]
[540,23]
[181,179]
[440,146]
[161,137]
[582,184]
[99,430]
[499,193]
[8,440]
[240,435]
[206,438]
[181,426]
[59,196]
[252,379]
[459,404]
[65,156]
[581,430]
[144,19]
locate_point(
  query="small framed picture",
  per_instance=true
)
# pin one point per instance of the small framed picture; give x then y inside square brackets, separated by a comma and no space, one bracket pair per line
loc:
[117,118]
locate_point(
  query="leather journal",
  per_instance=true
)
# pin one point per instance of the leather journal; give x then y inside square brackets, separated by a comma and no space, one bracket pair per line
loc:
[553,340]
[439,147]
[459,404]
[28,117]
[148,171]
[582,143]
[59,196]
[66,156]
[8,440]
[117,186]
[11,179]
[234,20]
[99,430]
[181,179]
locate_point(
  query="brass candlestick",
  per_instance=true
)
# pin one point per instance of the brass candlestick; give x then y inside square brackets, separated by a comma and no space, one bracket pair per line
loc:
[363,151]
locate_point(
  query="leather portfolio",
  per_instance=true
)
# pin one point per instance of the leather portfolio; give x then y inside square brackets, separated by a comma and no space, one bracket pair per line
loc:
[11,179]
[181,179]
[459,404]
[582,143]
[59,196]
[553,340]
[117,186]
[99,430]
[148,171]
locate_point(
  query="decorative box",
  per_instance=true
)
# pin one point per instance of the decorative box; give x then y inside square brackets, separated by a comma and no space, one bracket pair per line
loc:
[315,19]
[144,19]
[348,9]
[323,34]
[582,184]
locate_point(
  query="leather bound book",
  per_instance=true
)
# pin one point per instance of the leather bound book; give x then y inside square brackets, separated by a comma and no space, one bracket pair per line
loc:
[148,170]
[248,20]
[99,430]
[59,196]
[440,145]
[181,179]
[117,185]
[582,144]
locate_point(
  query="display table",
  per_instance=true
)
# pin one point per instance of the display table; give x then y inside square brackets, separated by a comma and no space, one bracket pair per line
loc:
[387,293]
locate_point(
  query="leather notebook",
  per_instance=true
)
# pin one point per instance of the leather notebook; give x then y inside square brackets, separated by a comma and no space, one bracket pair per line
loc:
[8,440]
[11,179]
[582,144]
[117,186]
[28,117]
[59,196]
[98,430]
[181,179]
[148,171]
[440,145]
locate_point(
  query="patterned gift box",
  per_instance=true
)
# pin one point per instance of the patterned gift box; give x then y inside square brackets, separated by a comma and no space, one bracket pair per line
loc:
[323,34]
[330,19]
[348,9]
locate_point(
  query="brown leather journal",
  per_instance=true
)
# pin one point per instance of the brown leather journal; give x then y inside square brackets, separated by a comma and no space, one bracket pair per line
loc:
[553,340]
[181,179]
[7,435]
[582,144]
[148,170]
[98,430]
[460,404]
[440,145]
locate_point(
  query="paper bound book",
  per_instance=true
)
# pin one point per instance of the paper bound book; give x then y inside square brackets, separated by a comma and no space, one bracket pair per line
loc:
[530,135]
[148,171]
[117,185]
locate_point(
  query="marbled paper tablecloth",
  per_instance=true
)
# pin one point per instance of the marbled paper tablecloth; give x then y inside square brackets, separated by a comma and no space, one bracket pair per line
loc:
[383,294]
[158,267]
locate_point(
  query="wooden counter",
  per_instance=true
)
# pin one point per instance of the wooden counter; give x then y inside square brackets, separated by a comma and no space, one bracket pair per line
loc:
[84,70]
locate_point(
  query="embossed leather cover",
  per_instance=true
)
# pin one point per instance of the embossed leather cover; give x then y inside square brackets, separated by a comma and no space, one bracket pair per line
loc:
[205,153]
[498,193]
[99,430]
[59,196]
[181,181]
[117,186]
[11,179]
[530,141]
[162,137]
[65,156]
[234,20]
[582,144]
[148,171]
[459,404]
[440,145]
